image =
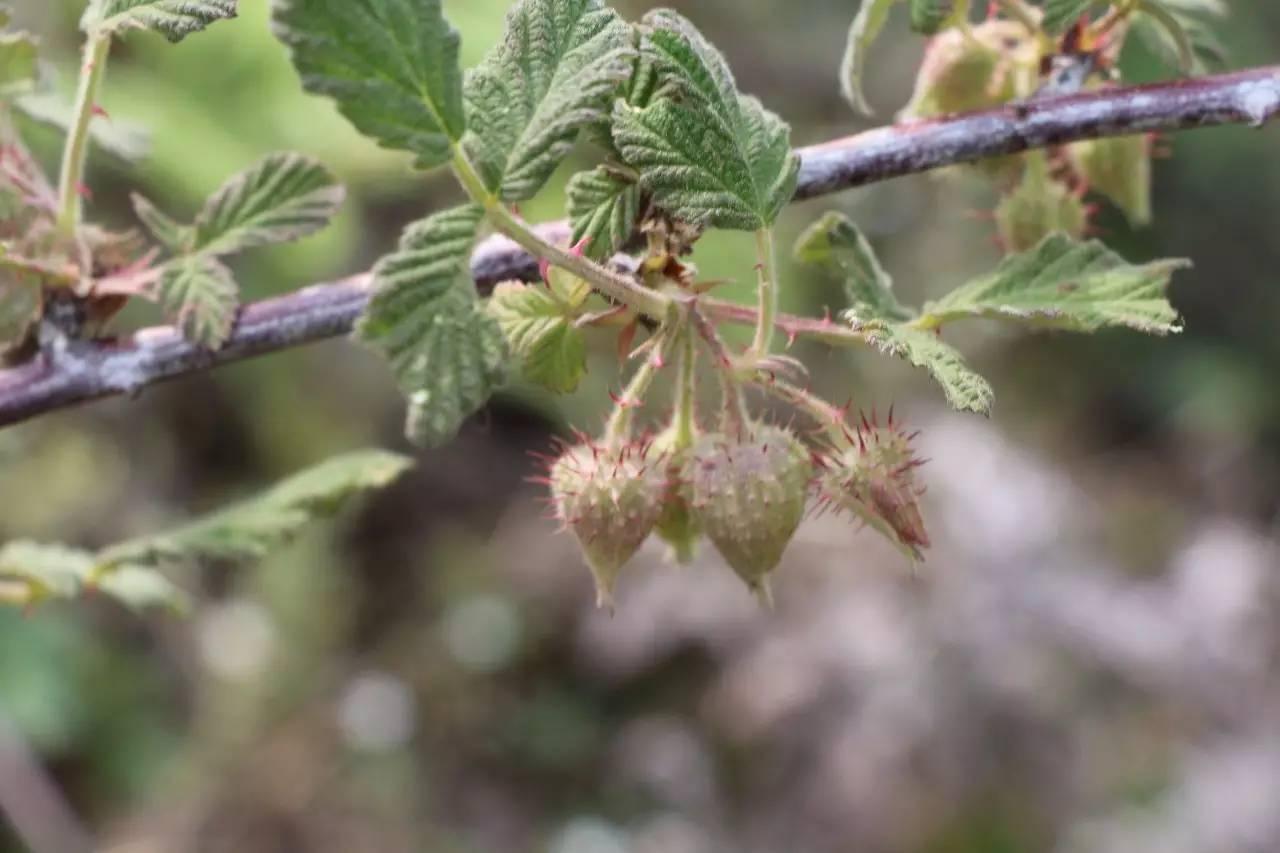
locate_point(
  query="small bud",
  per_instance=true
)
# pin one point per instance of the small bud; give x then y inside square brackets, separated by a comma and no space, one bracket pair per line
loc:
[611,499]
[749,497]
[871,473]
[964,71]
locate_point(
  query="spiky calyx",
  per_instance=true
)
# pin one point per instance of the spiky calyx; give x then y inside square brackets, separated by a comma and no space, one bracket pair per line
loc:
[749,496]
[870,472]
[611,498]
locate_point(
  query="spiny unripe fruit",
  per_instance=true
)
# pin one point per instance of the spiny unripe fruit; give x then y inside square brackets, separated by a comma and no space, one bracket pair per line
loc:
[677,525]
[611,499]
[750,496]
[871,473]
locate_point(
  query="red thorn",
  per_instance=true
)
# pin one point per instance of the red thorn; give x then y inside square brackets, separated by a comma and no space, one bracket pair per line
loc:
[84,192]
[99,111]
[544,270]
[580,247]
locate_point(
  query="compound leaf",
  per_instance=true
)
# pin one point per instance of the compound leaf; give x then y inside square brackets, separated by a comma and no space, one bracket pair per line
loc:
[708,155]
[603,208]
[168,232]
[559,63]
[174,19]
[284,197]
[31,573]
[198,292]
[866,27]
[541,333]
[1063,284]
[391,66]
[249,530]
[923,348]
[835,243]
[446,352]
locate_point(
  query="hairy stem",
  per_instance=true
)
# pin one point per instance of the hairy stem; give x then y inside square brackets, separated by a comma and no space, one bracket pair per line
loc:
[684,415]
[620,288]
[76,151]
[618,429]
[766,293]
[830,418]
[734,415]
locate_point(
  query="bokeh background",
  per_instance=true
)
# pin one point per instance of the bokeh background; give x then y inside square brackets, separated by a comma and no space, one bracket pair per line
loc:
[1088,660]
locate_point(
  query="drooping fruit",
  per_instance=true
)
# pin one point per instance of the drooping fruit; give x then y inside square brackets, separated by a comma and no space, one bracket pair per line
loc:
[611,499]
[677,525]
[870,472]
[749,496]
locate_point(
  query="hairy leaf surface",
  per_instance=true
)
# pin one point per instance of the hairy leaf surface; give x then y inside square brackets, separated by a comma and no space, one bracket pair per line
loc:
[31,573]
[541,333]
[603,208]
[250,529]
[707,154]
[554,73]
[199,293]
[446,352]
[168,232]
[391,66]
[836,243]
[282,198]
[174,19]
[1062,284]
[964,388]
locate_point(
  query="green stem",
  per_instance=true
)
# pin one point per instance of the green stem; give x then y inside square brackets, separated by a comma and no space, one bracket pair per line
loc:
[616,286]
[830,418]
[767,292]
[74,155]
[734,418]
[825,330]
[683,418]
[618,430]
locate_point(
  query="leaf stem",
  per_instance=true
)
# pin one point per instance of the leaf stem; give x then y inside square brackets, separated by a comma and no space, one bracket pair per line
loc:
[830,418]
[618,429]
[767,292]
[684,416]
[76,151]
[616,286]
[734,417]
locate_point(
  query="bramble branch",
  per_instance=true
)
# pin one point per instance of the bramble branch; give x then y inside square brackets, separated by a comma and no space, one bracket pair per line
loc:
[67,372]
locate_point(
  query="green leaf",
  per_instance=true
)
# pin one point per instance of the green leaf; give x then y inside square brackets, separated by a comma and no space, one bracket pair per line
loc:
[198,292]
[555,72]
[1181,31]
[251,529]
[31,573]
[446,352]
[541,333]
[1062,284]
[1118,167]
[603,208]
[965,390]
[1062,14]
[282,198]
[931,16]
[169,233]
[866,28]
[18,66]
[121,139]
[835,243]
[174,19]
[708,155]
[391,66]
